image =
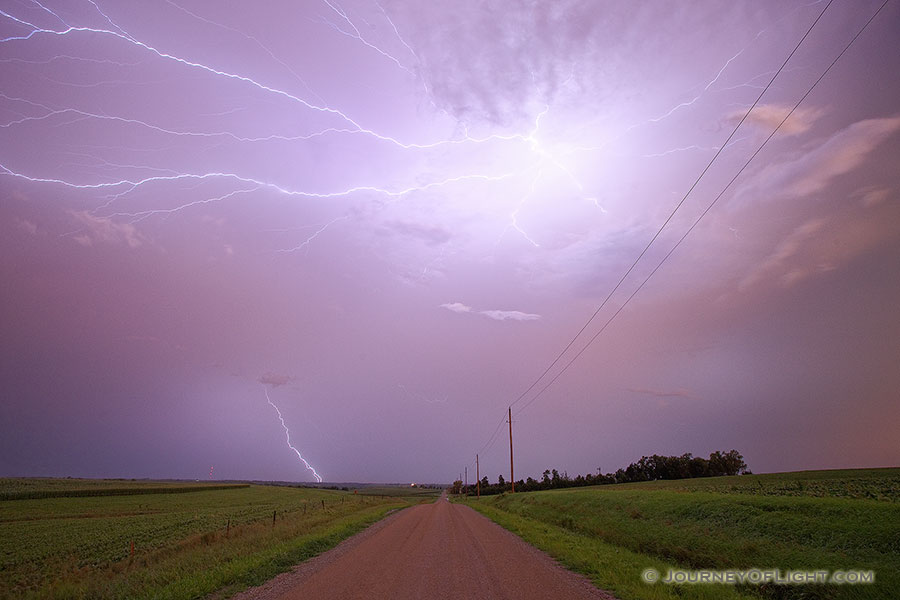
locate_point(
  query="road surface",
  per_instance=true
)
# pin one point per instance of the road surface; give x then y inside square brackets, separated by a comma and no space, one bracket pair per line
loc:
[438,550]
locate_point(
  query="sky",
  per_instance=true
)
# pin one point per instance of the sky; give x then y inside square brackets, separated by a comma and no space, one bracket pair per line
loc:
[337,240]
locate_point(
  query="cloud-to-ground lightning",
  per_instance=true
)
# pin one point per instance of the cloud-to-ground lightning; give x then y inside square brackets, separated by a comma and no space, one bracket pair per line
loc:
[287,434]
[306,185]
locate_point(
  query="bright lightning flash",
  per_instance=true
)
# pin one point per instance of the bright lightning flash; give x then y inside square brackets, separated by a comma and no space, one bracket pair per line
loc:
[287,434]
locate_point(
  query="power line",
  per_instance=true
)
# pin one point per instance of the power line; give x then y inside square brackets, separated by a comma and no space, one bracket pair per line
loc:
[487,446]
[709,207]
[647,246]
[699,218]
[674,210]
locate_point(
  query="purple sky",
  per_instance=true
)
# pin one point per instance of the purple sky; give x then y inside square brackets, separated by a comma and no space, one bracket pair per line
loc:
[391,218]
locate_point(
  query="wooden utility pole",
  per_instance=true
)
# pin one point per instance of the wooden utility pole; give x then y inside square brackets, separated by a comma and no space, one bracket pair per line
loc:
[512,475]
[467,479]
[477,477]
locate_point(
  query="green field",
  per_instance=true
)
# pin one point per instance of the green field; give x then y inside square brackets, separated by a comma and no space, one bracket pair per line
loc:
[872,484]
[187,542]
[30,488]
[834,520]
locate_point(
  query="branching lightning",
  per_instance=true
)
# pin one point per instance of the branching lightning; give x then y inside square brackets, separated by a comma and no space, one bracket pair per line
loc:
[539,160]
[305,243]
[287,434]
[545,159]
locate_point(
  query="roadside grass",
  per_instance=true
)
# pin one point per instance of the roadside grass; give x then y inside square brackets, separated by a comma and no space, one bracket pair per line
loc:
[187,545]
[612,533]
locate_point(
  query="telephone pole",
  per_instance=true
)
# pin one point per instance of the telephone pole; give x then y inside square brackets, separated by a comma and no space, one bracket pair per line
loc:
[477,477]
[467,479]
[512,476]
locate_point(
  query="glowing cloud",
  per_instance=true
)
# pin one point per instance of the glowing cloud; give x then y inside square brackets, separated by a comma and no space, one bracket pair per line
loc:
[497,315]
[509,315]
[768,117]
[106,231]
[457,307]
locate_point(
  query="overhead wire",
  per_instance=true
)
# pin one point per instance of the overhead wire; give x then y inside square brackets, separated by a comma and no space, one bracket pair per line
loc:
[491,440]
[672,213]
[708,208]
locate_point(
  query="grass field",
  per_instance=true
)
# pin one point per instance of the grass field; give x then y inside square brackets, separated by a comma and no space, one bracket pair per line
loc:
[871,484]
[186,544]
[30,488]
[834,520]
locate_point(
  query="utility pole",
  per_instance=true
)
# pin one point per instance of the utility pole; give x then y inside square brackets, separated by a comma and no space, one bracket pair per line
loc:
[467,479]
[477,477]
[512,476]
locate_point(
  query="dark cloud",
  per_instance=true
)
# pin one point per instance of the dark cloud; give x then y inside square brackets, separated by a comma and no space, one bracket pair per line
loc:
[275,379]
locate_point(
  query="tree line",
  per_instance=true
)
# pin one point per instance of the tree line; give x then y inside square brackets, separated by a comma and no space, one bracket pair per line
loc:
[648,468]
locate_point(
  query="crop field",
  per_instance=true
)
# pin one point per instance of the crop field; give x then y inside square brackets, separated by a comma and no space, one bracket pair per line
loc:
[187,542]
[813,520]
[27,488]
[873,484]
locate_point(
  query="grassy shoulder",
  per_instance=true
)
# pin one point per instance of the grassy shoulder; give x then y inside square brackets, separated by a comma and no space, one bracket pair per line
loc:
[187,545]
[612,533]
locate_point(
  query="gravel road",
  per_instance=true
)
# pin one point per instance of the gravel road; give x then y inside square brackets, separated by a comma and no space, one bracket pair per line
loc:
[438,550]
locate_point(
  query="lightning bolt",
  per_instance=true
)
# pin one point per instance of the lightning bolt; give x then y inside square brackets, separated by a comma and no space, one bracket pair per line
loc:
[549,158]
[118,189]
[358,36]
[287,434]
[514,215]
[308,241]
[356,127]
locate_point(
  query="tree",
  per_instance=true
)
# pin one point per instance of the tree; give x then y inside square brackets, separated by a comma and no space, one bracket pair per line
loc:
[457,485]
[728,463]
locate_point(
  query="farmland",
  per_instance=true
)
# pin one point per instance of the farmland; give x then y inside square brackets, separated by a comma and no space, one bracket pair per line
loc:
[810,520]
[872,484]
[57,541]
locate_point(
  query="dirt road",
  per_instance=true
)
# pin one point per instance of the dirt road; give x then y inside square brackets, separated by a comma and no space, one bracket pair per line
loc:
[438,550]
